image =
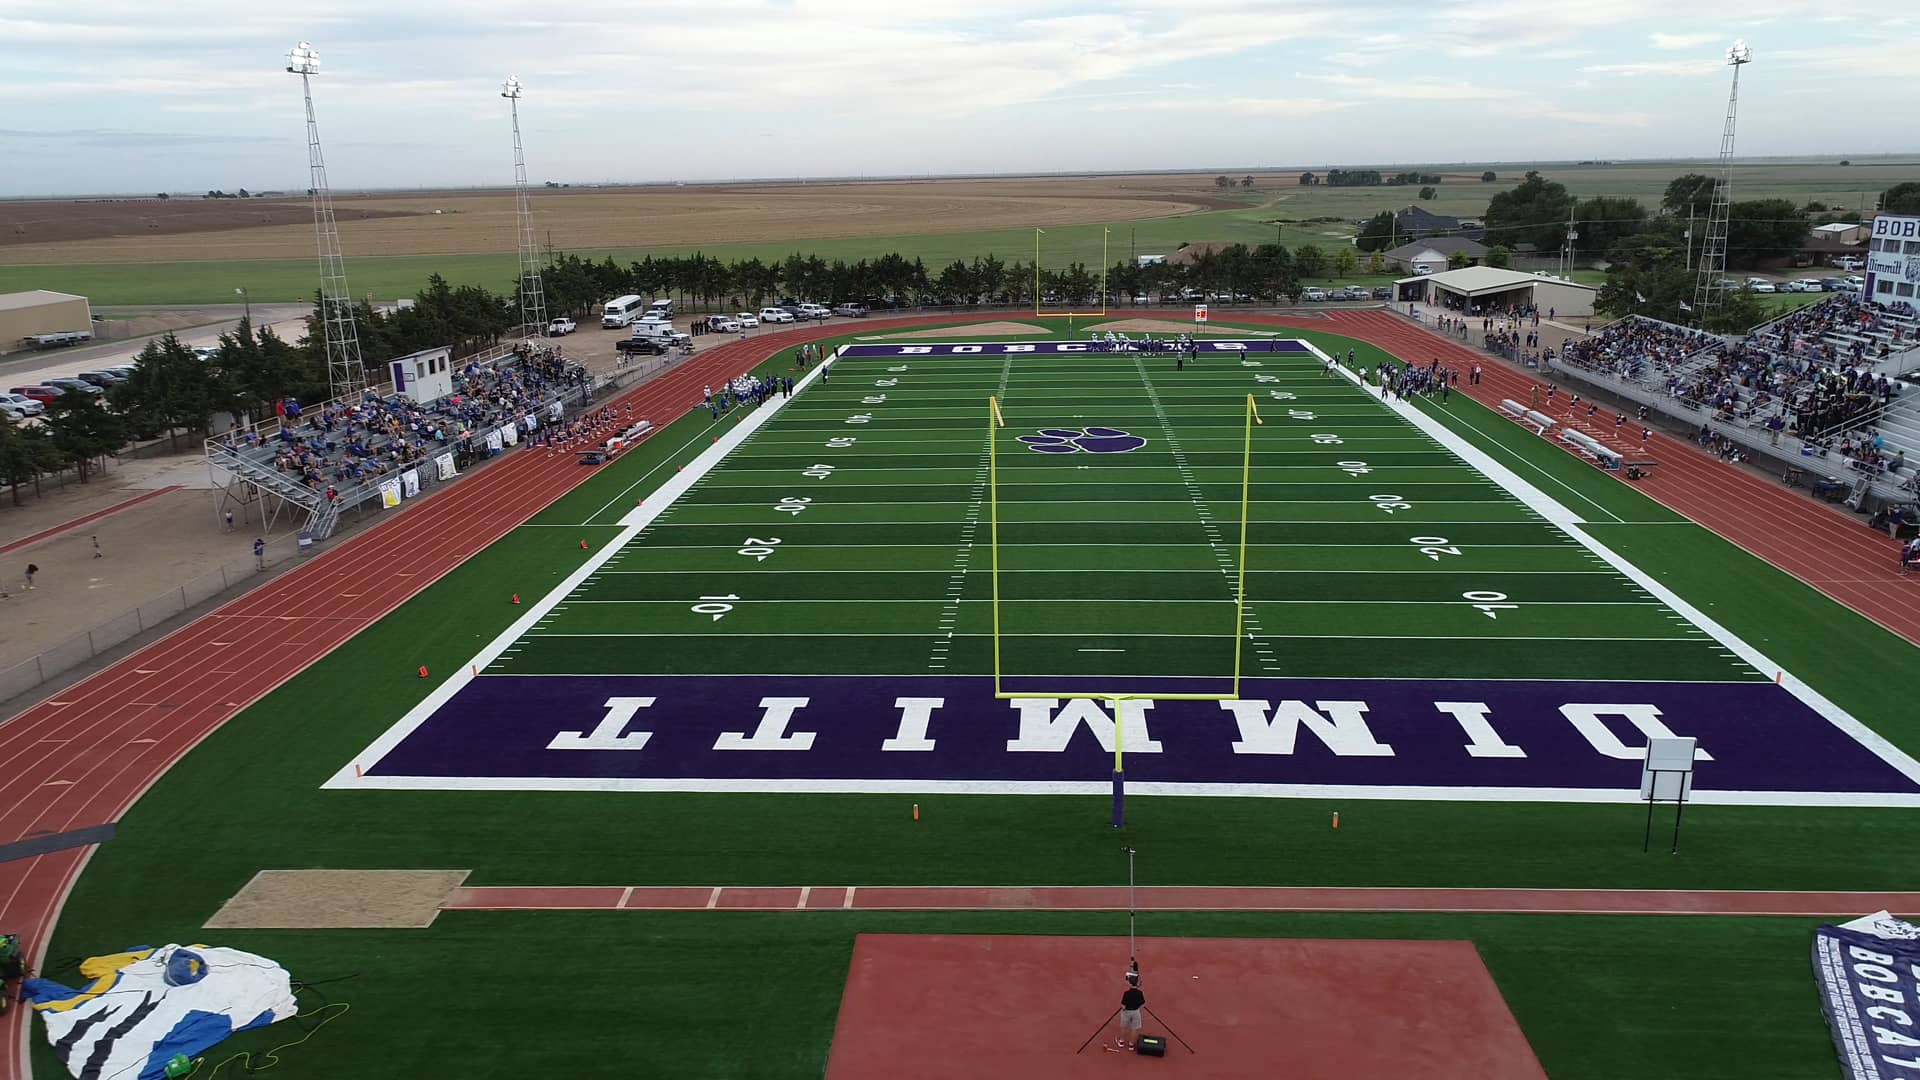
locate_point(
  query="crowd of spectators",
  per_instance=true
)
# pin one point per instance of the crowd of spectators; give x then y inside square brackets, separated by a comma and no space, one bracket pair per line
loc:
[1637,348]
[348,445]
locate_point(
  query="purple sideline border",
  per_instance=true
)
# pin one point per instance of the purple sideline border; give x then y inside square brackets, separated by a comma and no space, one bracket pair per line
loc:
[1063,348]
[1760,737]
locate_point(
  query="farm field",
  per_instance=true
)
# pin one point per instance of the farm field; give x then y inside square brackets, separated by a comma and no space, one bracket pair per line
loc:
[198,251]
[1106,546]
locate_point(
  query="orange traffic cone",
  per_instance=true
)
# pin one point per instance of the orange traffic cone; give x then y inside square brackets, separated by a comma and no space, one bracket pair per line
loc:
[1336,819]
[423,671]
[516,598]
[583,545]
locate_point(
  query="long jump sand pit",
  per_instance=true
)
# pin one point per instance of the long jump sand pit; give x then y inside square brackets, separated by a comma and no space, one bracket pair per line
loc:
[338,899]
[1168,326]
[959,1007]
[988,329]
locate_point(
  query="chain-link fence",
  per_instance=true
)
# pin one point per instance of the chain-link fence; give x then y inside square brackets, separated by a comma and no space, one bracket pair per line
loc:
[85,646]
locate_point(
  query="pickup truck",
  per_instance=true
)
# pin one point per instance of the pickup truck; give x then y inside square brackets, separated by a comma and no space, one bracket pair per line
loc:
[851,311]
[645,346]
[560,327]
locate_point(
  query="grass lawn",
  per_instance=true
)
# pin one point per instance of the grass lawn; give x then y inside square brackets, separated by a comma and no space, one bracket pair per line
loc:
[1597,997]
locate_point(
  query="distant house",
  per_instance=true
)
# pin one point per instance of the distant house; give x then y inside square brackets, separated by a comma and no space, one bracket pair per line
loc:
[1417,224]
[1841,232]
[1430,256]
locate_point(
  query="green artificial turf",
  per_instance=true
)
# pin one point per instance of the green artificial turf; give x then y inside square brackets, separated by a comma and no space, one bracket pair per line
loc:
[1646,997]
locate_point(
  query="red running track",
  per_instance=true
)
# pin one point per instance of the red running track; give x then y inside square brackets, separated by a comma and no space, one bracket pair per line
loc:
[1821,546]
[84,757]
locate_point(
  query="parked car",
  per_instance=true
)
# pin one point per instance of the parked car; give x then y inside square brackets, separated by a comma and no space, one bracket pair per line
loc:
[76,386]
[775,315]
[851,311]
[1804,285]
[1383,292]
[1761,285]
[41,393]
[560,327]
[747,319]
[22,406]
[205,352]
[105,380]
[10,412]
[722,324]
[1856,281]
[639,345]
[125,371]
[1313,294]
[1849,262]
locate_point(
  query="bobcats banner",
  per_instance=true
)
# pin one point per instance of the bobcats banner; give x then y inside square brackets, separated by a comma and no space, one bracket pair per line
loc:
[390,493]
[510,434]
[1869,973]
[443,467]
[410,483]
[493,440]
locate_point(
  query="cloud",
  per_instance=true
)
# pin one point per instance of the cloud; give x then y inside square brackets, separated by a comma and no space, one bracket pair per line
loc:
[1239,106]
[1662,40]
[1677,68]
[1407,89]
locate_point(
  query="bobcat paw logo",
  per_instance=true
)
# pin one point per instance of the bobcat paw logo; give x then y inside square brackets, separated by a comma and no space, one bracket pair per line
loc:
[1093,440]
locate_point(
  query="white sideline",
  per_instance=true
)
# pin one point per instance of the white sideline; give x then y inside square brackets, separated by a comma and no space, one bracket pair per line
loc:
[635,520]
[1545,505]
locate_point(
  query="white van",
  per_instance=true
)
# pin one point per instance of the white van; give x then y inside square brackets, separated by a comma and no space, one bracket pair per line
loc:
[620,311]
[662,308]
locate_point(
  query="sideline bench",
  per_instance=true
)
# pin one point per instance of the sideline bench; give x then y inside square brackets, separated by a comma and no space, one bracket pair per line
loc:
[1592,448]
[1539,421]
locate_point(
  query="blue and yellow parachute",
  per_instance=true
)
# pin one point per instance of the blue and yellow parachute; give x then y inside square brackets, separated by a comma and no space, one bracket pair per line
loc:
[146,1005]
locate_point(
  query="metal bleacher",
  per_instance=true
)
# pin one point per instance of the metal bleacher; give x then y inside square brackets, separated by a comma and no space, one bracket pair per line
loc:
[246,454]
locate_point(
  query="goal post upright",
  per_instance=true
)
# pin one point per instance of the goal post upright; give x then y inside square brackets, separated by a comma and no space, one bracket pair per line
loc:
[1116,699]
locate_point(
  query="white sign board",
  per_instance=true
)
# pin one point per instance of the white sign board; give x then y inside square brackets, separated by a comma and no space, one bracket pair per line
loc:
[1667,773]
[1200,313]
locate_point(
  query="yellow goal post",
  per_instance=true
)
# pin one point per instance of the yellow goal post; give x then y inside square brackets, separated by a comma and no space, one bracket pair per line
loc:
[995,421]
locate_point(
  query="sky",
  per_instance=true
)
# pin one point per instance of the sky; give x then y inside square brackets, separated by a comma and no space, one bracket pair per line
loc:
[136,97]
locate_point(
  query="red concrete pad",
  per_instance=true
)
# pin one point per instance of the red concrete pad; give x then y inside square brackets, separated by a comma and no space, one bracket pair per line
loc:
[960,1007]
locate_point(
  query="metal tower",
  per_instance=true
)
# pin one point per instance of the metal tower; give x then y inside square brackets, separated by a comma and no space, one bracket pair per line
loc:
[533,300]
[346,374]
[1708,290]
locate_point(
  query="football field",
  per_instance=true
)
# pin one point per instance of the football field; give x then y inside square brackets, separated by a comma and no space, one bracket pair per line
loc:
[835,585]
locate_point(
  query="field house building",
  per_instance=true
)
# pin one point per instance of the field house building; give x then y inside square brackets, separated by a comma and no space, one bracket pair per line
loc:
[26,318]
[1490,289]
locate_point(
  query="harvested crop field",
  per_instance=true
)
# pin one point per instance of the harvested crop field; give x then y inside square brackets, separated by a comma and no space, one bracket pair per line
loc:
[458,222]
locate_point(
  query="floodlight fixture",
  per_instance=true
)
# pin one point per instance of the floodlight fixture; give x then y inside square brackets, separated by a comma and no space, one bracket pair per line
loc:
[1739,53]
[303,60]
[512,88]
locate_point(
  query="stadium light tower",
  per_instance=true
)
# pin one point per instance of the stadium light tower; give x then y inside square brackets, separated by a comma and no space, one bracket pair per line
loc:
[533,300]
[346,374]
[1708,291]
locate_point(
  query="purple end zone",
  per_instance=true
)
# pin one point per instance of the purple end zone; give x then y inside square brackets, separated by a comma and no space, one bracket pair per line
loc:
[1067,348]
[840,732]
